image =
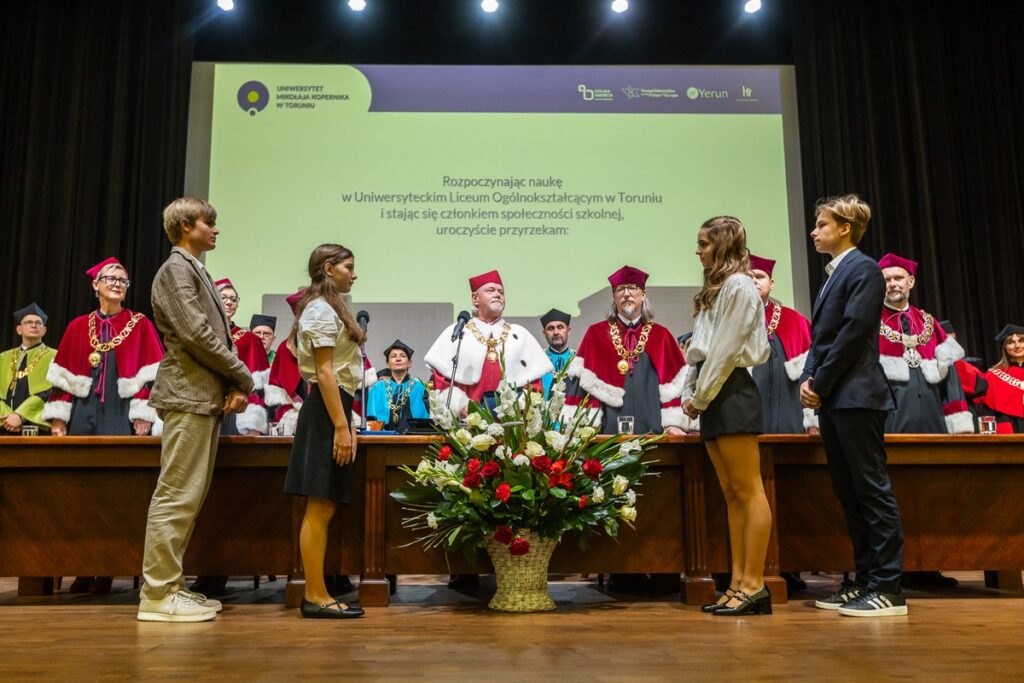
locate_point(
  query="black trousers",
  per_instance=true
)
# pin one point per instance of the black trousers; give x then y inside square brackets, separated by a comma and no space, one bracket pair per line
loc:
[854,442]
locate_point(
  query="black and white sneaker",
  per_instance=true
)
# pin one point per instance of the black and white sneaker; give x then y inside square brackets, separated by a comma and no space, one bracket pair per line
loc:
[875,604]
[847,592]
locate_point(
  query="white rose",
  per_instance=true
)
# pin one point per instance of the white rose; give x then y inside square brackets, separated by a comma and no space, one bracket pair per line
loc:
[631,497]
[533,449]
[559,443]
[496,430]
[474,420]
[550,436]
[587,433]
[463,437]
[431,520]
[628,513]
[598,495]
[482,442]
[619,485]
[520,460]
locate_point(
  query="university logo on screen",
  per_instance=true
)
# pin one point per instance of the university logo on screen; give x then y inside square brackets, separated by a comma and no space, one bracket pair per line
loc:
[254,96]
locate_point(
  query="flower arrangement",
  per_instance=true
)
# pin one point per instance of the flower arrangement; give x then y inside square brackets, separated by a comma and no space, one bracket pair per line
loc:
[522,467]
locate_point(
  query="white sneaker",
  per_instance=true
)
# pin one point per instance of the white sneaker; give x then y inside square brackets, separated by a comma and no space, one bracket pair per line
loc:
[202,599]
[178,606]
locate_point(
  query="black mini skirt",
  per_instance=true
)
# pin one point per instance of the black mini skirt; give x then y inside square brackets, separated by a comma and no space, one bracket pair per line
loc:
[311,469]
[736,410]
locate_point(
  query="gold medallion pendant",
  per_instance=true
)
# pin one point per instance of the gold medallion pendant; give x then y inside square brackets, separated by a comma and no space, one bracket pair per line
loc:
[95,358]
[623,367]
[492,356]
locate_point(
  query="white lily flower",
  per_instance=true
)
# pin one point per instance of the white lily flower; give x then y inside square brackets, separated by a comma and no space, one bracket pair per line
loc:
[495,430]
[501,452]
[629,447]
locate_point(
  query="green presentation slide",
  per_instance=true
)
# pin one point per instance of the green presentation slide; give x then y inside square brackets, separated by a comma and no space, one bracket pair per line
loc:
[555,176]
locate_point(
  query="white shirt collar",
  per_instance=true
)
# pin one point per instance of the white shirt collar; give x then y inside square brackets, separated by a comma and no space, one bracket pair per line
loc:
[634,321]
[834,263]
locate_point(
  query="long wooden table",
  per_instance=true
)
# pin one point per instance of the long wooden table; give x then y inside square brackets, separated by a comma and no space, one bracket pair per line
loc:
[71,506]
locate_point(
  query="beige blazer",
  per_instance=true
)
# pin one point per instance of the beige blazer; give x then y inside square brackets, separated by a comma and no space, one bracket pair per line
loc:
[200,365]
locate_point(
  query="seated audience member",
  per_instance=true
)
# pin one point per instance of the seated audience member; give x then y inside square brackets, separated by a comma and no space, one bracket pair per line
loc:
[263,326]
[1004,399]
[253,420]
[395,399]
[23,385]
[102,374]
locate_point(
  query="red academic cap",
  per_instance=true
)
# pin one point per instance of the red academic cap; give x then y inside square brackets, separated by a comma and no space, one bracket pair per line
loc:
[98,269]
[293,299]
[224,282]
[479,281]
[628,275]
[894,261]
[759,263]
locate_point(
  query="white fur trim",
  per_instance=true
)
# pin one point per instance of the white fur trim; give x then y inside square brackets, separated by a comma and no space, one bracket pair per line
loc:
[602,391]
[673,389]
[129,386]
[459,403]
[274,395]
[260,379]
[158,428]
[674,417]
[593,417]
[62,378]
[254,417]
[525,360]
[895,368]
[57,410]
[933,372]
[948,352]
[139,409]
[288,422]
[960,423]
[369,377]
[795,366]
[810,418]
[575,367]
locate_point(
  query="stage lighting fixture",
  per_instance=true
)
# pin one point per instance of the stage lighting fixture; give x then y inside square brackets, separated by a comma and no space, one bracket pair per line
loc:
[752,6]
[489,5]
[357,5]
[226,5]
[620,6]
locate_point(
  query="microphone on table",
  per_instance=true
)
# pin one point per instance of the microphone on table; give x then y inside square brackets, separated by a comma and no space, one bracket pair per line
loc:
[363,318]
[459,324]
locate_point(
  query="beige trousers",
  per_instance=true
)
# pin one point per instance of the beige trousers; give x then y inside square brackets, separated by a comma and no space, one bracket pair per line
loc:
[187,453]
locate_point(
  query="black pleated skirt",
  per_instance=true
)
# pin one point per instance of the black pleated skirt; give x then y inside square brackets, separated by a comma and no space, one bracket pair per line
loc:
[736,410]
[311,469]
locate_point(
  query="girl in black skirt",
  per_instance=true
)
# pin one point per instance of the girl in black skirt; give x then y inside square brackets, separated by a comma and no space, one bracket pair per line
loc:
[327,339]
[728,338]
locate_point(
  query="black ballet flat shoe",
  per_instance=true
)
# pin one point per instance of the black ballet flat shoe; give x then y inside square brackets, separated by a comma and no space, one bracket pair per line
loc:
[712,606]
[311,610]
[758,603]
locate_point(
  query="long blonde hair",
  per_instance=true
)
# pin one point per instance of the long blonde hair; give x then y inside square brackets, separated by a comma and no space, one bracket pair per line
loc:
[1004,360]
[729,240]
[321,286]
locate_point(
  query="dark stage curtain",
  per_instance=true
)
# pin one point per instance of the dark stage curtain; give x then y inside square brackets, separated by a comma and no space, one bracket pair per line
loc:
[919,107]
[93,122]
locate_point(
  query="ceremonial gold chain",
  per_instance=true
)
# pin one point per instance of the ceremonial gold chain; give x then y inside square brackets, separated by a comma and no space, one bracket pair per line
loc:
[910,340]
[492,343]
[99,347]
[1008,378]
[403,397]
[776,316]
[634,355]
[17,374]
[235,336]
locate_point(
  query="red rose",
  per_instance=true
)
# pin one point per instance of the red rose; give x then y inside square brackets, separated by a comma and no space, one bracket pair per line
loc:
[473,465]
[491,469]
[444,453]
[519,546]
[541,463]
[564,480]
[503,493]
[472,480]
[593,468]
[503,534]
[558,466]
[583,501]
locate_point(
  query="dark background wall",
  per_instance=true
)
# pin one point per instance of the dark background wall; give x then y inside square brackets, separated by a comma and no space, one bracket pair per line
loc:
[917,109]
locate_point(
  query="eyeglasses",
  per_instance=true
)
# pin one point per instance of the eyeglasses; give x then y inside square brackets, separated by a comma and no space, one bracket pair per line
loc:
[111,280]
[627,289]
[230,299]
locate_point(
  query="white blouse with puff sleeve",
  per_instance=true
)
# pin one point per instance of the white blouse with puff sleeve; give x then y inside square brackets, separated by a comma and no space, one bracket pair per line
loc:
[319,327]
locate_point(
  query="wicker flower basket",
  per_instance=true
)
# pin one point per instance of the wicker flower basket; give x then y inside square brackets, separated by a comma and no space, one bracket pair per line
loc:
[523,579]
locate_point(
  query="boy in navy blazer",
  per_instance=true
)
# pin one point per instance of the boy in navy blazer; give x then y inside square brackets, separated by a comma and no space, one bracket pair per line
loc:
[843,380]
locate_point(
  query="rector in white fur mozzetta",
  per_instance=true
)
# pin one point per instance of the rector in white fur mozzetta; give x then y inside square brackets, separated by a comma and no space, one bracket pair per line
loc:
[789,338]
[916,355]
[629,365]
[487,338]
[105,365]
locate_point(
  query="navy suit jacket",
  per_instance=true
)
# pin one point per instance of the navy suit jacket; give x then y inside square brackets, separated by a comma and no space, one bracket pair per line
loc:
[843,359]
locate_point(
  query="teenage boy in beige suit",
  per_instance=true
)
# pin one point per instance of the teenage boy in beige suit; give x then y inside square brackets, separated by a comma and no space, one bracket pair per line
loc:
[200,379]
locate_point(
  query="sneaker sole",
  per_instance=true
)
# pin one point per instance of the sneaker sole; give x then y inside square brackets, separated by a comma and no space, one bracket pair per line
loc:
[827,605]
[176,618]
[895,611]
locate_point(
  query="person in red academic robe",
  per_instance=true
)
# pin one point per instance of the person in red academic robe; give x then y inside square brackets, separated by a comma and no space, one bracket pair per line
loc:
[789,338]
[105,365]
[1004,399]
[629,364]
[970,371]
[249,348]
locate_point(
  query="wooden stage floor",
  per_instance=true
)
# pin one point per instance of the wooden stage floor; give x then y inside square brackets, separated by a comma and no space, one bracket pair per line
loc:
[433,634]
